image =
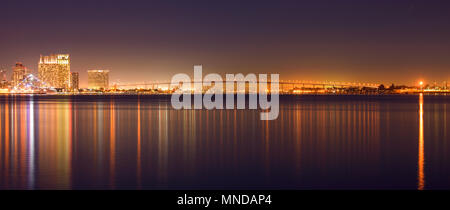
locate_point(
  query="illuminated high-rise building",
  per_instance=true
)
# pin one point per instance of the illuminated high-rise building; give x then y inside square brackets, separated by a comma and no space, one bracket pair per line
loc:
[19,73]
[54,70]
[74,81]
[3,80]
[98,79]
[3,75]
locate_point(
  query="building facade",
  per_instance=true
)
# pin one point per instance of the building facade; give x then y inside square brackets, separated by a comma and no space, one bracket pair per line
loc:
[19,73]
[2,74]
[74,81]
[98,79]
[3,80]
[54,70]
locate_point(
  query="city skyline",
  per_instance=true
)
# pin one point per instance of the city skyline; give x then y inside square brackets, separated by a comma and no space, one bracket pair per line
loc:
[54,59]
[369,41]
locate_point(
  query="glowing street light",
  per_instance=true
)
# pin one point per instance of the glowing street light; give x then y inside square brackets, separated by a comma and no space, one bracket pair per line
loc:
[421,85]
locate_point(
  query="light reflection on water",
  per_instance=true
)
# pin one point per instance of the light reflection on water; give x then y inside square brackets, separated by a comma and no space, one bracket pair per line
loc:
[421,162]
[318,142]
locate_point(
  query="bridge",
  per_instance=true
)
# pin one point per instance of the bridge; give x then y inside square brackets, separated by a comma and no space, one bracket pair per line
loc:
[284,84]
[32,84]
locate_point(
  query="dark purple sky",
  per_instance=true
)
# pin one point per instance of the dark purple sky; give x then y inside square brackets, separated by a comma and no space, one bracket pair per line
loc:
[384,41]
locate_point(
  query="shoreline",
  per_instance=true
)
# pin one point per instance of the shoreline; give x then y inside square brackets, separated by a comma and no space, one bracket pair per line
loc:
[281,94]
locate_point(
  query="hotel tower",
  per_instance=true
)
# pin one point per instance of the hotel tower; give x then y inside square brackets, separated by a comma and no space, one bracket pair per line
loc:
[54,70]
[98,79]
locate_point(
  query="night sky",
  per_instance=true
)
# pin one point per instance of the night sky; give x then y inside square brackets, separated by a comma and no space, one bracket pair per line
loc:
[379,41]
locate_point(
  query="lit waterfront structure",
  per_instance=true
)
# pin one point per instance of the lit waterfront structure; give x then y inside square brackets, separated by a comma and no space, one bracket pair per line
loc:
[19,73]
[98,79]
[54,70]
[74,81]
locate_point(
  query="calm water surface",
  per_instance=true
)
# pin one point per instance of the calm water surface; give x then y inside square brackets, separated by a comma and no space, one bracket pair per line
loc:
[140,142]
